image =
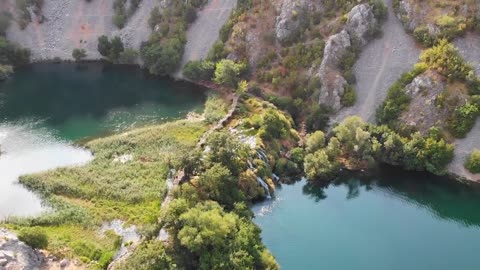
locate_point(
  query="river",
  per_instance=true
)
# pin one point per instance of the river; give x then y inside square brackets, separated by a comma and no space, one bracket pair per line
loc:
[391,220]
[46,108]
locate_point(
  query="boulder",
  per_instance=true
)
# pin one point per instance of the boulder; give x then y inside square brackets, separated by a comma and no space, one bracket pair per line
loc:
[290,20]
[333,84]
[357,30]
[360,23]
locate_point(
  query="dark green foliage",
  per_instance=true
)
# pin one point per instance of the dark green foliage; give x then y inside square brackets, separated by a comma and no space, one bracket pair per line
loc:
[12,54]
[473,162]
[5,19]
[317,117]
[121,13]
[349,97]
[380,10]
[463,119]
[150,255]
[163,52]
[397,100]
[79,54]
[34,237]
[103,45]
[217,52]
[199,70]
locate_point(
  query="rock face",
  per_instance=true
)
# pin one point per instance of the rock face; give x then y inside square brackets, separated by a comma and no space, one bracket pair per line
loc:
[360,23]
[291,19]
[423,112]
[16,255]
[357,28]
[333,83]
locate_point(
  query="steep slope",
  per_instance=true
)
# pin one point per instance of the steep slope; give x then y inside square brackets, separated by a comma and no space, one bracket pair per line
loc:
[78,24]
[203,33]
[380,64]
[469,47]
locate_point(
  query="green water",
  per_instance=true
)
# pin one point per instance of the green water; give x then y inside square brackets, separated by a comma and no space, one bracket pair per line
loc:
[393,220]
[45,108]
[81,101]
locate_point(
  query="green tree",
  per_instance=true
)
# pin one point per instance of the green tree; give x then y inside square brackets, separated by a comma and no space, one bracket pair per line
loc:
[315,141]
[79,54]
[104,45]
[228,72]
[150,255]
[116,48]
[472,162]
[218,184]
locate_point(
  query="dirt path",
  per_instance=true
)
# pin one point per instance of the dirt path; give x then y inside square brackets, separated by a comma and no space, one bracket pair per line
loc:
[380,64]
[78,24]
[203,33]
[469,47]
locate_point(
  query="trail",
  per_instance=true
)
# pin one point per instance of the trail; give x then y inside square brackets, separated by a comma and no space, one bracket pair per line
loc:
[469,47]
[204,32]
[381,63]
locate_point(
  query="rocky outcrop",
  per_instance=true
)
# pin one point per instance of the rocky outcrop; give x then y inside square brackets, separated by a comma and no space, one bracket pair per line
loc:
[333,83]
[423,112]
[360,23]
[290,20]
[15,254]
[356,31]
[406,15]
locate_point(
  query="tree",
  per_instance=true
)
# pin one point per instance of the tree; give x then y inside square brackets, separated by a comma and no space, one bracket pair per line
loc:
[103,45]
[79,54]
[128,56]
[228,73]
[116,47]
[150,255]
[319,166]
[315,141]
[199,70]
[218,184]
[473,161]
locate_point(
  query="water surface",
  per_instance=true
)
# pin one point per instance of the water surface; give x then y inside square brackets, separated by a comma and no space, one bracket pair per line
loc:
[393,220]
[45,108]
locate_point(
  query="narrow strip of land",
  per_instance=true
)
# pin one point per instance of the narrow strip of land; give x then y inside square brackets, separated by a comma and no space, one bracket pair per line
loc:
[469,48]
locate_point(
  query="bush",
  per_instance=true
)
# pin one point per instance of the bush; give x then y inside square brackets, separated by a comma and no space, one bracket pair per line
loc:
[463,120]
[79,54]
[199,70]
[473,162]
[349,97]
[34,237]
[228,72]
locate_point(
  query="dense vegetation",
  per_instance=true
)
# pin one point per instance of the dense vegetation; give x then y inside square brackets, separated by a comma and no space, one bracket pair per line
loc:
[355,144]
[115,51]
[10,54]
[442,59]
[121,13]
[163,52]
[473,162]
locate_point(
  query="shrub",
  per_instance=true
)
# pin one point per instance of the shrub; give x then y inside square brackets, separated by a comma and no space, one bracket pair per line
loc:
[463,119]
[34,237]
[199,70]
[228,72]
[79,54]
[473,162]
[349,97]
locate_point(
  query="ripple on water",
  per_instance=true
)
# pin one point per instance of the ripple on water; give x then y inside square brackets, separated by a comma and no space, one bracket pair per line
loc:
[26,149]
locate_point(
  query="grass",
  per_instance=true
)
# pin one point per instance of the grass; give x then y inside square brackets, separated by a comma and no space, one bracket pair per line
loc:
[84,197]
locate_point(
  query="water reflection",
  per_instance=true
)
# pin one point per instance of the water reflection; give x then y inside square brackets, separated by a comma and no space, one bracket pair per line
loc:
[445,198]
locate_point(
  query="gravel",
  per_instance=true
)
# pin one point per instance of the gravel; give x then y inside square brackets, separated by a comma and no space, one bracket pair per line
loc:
[78,24]
[380,64]
[469,47]
[204,32]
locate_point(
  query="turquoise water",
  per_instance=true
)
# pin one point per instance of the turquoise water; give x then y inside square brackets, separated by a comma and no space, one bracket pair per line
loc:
[46,108]
[394,220]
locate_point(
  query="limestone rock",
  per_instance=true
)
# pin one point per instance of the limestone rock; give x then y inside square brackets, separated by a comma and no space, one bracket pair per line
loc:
[290,20]
[357,29]
[406,15]
[333,84]
[360,22]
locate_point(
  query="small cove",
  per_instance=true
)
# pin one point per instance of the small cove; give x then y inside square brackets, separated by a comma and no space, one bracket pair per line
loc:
[389,220]
[46,108]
